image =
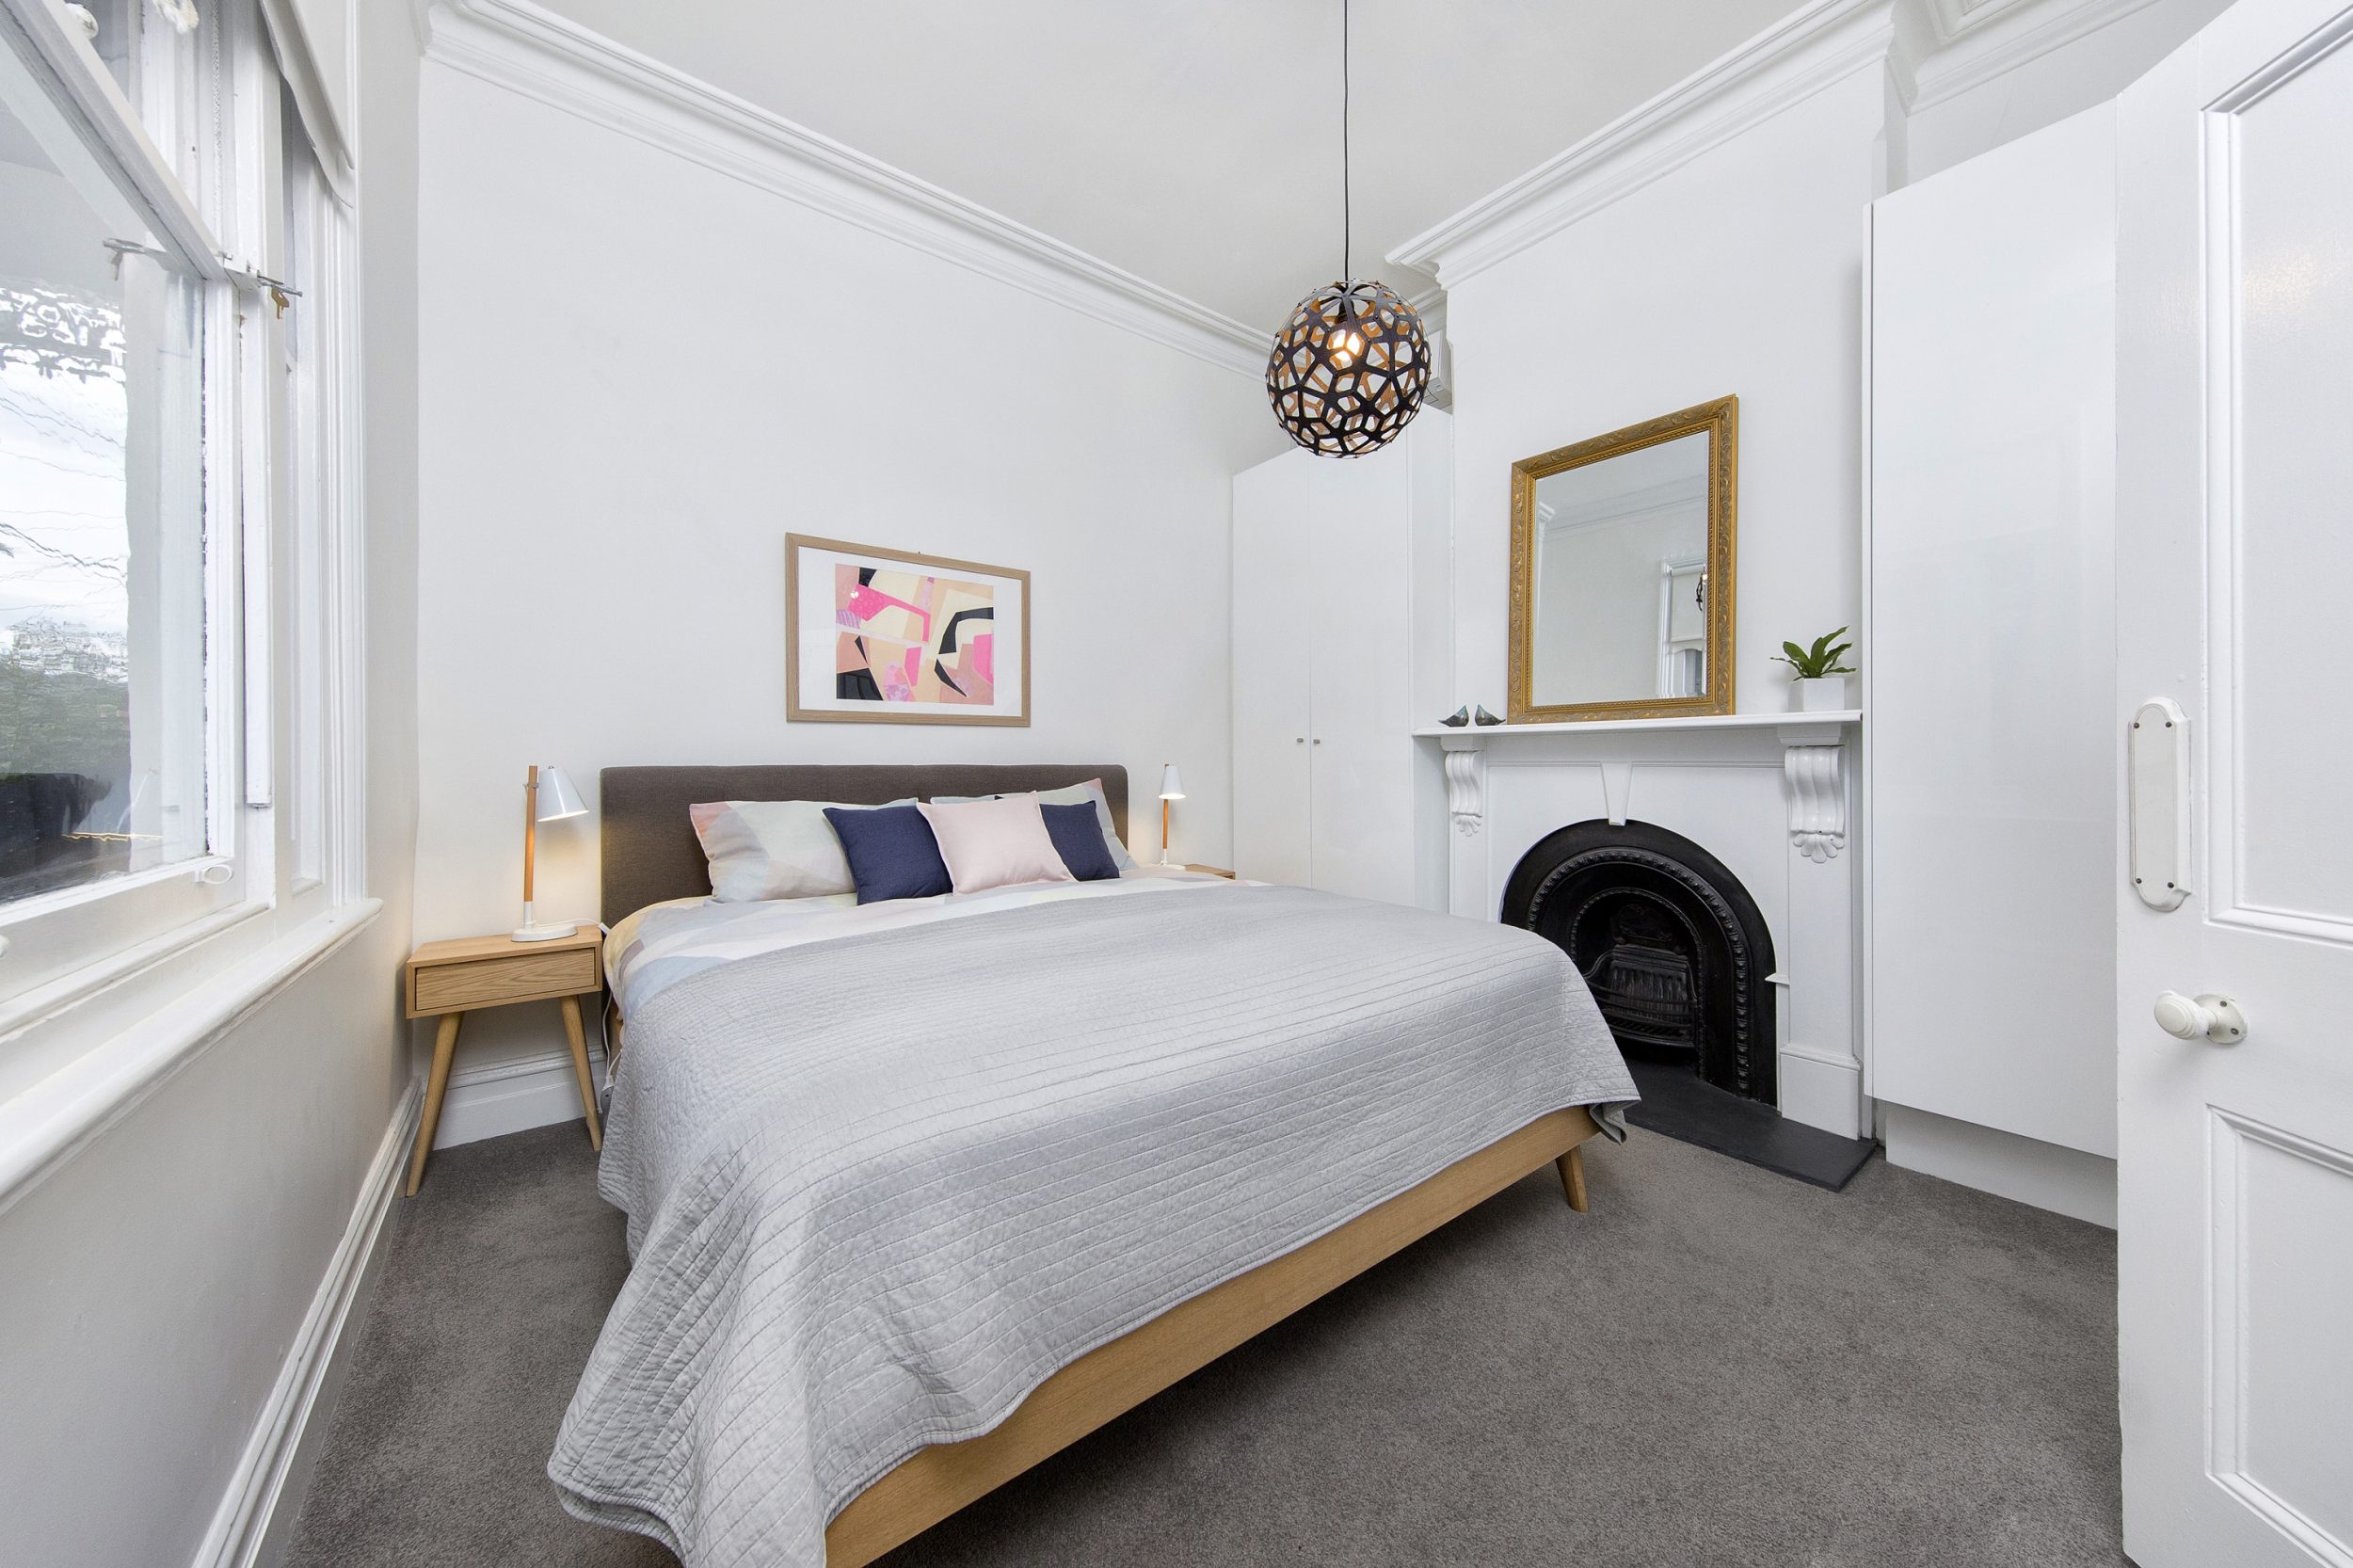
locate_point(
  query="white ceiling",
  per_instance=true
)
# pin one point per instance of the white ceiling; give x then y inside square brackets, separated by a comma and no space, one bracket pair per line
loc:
[1196,142]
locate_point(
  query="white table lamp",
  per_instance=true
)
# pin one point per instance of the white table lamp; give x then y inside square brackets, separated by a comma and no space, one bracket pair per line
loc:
[1172,788]
[548,797]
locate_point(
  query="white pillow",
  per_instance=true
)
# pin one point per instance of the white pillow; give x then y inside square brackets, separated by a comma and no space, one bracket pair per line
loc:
[764,849]
[1069,795]
[994,844]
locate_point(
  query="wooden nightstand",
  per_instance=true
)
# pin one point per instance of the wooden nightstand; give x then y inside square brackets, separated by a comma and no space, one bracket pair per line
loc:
[451,978]
[1213,870]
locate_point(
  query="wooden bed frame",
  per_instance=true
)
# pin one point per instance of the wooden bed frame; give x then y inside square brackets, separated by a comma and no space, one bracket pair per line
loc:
[1114,1378]
[650,853]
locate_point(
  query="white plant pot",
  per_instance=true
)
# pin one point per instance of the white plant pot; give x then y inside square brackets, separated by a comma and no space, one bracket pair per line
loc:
[1825,694]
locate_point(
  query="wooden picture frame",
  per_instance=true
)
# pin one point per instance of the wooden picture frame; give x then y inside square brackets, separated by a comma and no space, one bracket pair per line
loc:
[1720,420]
[834,673]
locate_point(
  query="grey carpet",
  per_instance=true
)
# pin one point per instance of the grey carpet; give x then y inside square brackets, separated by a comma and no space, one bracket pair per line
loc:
[1717,1365]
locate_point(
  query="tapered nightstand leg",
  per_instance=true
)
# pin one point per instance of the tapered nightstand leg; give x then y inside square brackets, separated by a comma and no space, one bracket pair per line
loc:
[580,1065]
[1573,1177]
[444,1047]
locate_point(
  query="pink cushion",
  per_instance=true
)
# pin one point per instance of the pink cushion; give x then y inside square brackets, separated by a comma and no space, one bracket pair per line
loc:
[994,844]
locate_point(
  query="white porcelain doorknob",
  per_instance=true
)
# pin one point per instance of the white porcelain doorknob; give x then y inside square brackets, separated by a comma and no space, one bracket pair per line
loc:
[2207,1017]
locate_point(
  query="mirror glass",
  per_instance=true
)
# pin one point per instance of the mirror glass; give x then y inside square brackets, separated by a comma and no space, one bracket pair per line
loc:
[1621,578]
[1622,572]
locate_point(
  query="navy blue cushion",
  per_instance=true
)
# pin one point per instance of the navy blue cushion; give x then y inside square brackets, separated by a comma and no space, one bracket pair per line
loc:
[891,852]
[1078,834]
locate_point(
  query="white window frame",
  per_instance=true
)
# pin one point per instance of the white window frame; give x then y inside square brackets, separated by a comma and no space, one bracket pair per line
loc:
[322,844]
[78,964]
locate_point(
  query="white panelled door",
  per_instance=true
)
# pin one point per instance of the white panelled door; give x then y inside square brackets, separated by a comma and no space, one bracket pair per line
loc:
[2234,550]
[1359,746]
[1274,652]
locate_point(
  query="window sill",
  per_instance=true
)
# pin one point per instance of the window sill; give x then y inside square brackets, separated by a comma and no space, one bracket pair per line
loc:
[27,1011]
[49,1120]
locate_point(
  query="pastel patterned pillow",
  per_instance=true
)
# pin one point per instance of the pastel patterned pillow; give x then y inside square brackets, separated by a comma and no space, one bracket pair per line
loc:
[994,843]
[764,849]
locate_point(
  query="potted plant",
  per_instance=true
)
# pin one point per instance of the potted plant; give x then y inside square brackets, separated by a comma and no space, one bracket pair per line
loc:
[1821,684]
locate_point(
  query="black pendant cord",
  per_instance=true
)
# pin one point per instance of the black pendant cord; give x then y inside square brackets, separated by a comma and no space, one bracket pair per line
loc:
[1349,370]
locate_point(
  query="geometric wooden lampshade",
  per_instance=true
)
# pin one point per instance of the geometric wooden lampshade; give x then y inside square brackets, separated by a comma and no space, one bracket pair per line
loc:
[1348,373]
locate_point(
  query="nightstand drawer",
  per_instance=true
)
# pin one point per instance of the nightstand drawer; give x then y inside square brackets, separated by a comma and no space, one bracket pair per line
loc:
[485,982]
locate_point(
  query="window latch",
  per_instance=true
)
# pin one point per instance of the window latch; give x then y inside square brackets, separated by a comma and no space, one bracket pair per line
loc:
[120,249]
[281,293]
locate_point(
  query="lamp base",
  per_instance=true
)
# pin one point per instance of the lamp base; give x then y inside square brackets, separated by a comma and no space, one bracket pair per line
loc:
[537,933]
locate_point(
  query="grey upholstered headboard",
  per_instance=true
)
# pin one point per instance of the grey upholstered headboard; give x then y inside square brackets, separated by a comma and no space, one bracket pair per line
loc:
[651,853]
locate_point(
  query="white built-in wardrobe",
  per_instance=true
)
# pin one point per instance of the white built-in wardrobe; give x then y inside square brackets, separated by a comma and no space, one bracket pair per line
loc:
[1990,671]
[1342,646]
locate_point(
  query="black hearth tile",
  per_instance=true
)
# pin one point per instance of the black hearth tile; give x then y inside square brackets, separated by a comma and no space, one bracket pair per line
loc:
[1678,1104]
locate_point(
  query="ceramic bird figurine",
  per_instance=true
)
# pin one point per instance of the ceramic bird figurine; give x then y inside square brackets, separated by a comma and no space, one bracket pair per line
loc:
[1459,718]
[1485,717]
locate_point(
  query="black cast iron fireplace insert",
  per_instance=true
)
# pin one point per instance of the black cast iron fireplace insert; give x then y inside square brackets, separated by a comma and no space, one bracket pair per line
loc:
[1677,956]
[1672,946]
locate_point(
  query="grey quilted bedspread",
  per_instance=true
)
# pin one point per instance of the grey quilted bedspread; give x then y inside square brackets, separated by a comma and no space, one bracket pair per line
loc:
[879,1189]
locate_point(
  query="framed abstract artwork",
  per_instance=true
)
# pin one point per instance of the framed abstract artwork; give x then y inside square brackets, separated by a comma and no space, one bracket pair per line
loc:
[879,636]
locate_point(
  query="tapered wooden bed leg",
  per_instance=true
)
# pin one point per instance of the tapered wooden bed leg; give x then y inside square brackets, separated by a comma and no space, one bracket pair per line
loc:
[1573,1178]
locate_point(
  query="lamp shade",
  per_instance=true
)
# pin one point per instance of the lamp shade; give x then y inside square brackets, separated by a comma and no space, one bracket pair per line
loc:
[557,799]
[1348,373]
[1172,787]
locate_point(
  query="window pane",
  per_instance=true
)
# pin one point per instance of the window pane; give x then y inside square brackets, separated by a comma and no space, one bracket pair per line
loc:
[101,582]
[148,47]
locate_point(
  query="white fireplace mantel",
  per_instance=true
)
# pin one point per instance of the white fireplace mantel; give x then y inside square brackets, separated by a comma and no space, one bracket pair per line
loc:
[1814,755]
[1478,735]
[1767,795]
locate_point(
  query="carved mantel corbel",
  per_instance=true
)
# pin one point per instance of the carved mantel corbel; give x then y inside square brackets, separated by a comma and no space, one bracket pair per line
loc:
[1462,782]
[1814,765]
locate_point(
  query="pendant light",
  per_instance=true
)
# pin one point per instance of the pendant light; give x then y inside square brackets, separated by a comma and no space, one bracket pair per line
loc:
[1349,370]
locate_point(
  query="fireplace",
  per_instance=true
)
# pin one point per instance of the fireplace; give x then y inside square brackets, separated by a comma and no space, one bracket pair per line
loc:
[1672,946]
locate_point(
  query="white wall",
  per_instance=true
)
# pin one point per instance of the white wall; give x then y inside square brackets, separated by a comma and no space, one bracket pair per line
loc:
[639,374]
[1943,130]
[153,1283]
[1739,272]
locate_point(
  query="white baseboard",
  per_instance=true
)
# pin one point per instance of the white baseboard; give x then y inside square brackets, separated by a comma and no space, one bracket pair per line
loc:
[1822,1089]
[257,1513]
[2066,1181]
[499,1097]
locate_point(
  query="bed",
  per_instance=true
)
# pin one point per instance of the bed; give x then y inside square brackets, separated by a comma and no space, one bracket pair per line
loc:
[918,1196]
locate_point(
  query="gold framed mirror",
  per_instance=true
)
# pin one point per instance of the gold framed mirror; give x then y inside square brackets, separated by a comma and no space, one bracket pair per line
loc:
[1623,565]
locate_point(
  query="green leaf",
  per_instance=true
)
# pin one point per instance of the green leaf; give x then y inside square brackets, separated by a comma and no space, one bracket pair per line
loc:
[1822,659]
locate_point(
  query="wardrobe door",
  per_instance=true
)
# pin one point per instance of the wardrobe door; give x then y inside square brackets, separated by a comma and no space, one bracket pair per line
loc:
[1992,735]
[1273,582]
[1361,745]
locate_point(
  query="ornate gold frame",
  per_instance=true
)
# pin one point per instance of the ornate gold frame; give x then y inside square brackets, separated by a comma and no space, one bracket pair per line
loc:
[1720,418]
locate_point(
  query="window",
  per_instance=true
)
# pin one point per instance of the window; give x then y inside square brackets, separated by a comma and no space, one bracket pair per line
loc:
[102,534]
[171,470]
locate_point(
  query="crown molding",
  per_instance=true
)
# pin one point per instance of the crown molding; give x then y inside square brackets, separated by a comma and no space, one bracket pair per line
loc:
[1818,44]
[1972,42]
[524,49]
